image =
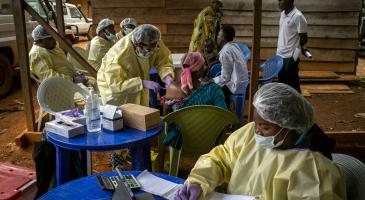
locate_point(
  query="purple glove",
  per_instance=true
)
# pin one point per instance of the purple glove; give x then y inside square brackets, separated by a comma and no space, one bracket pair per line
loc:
[168,80]
[151,85]
[188,192]
[81,78]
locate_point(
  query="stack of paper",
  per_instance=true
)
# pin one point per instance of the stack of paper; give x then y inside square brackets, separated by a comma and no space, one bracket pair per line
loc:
[167,189]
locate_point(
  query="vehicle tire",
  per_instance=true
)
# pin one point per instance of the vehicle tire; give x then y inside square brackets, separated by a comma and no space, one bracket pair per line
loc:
[6,75]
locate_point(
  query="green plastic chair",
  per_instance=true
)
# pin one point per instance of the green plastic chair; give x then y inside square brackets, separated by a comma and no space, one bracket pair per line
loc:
[201,128]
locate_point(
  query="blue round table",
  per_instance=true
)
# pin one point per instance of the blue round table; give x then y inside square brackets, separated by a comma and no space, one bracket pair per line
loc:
[89,188]
[137,141]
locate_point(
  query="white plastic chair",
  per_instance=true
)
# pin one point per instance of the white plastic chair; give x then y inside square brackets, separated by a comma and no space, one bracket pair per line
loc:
[56,94]
[354,171]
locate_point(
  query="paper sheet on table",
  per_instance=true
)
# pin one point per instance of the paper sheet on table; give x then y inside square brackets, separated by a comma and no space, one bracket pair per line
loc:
[157,186]
[221,196]
[167,189]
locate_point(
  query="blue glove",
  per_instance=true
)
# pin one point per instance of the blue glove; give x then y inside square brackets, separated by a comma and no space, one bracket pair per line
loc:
[151,85]
[188,192]
[168,81]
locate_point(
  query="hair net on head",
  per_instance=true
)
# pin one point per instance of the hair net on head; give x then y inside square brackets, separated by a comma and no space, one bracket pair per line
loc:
[280,104]
[40,33]
[146,34]
[214,1]
[103,24]
[127,21]
[190,62]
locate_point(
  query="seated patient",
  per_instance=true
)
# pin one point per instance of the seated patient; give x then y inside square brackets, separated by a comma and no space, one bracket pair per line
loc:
[281,155]
[192,91]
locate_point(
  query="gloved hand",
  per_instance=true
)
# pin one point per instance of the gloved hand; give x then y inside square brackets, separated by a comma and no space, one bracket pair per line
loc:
[81,78]
[168,81]
[151,85]
[188,192]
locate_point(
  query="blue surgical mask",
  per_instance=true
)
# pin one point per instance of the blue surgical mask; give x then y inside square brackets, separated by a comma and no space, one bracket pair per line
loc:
[144,55]
[127,30]
[269,142]
[111,37]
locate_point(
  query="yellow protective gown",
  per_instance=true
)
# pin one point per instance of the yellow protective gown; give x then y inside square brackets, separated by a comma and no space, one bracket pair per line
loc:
[270,174]
[45,63]
[122,71]
[119,35]
[98,48]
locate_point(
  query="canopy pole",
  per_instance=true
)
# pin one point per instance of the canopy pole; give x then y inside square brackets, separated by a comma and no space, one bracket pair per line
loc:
[22,42]
[60,19]
[255,62]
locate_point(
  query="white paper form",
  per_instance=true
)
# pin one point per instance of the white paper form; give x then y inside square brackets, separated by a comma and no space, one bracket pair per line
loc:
[167,189]
[157,186]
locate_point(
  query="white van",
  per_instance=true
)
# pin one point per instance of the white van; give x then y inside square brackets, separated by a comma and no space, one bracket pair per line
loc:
[76,20]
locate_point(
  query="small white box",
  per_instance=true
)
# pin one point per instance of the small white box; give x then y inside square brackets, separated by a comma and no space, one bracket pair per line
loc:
[68,130]
[112,118]
[80,119]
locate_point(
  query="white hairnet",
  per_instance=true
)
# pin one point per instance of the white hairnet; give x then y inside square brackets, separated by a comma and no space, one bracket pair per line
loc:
[280,104]
[40,33]
[146,34]
[127,21]
[103,24]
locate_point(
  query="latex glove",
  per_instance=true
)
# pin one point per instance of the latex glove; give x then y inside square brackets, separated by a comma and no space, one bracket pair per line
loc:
[151,85]
[81,78]
[168,81]
[188,192]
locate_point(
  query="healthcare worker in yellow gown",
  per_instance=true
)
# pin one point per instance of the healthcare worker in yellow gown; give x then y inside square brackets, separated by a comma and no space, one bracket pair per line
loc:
[101,43]
[47,59]
[125,69]
[281,155]
[126,27]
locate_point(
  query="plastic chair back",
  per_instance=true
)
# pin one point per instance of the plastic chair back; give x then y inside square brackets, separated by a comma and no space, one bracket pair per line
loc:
[215,70]
[201,128]
[271,68]
[354,171]
[57,94]
[245,50]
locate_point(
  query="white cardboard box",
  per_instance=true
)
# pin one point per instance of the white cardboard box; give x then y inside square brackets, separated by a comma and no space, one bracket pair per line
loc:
[81,119]
[68,130]
[112,118]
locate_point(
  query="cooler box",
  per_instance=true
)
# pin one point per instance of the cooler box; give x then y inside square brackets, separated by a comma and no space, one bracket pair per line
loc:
[17,182]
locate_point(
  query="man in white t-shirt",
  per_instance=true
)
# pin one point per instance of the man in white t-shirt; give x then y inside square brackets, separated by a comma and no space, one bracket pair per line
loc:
[234,68]
[292,38]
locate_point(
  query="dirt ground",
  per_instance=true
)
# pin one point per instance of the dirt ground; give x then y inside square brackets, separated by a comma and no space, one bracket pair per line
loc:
[334,112]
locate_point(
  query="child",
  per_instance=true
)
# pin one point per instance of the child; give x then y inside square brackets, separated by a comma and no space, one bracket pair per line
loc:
[210,53]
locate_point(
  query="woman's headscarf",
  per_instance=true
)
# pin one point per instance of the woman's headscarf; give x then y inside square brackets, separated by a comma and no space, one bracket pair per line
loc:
[190,62]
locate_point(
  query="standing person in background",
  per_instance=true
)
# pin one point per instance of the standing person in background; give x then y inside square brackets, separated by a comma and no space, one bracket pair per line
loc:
[126,26]
[125,70]
[101,43]
[292,38]
[234,68]
[206,26]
